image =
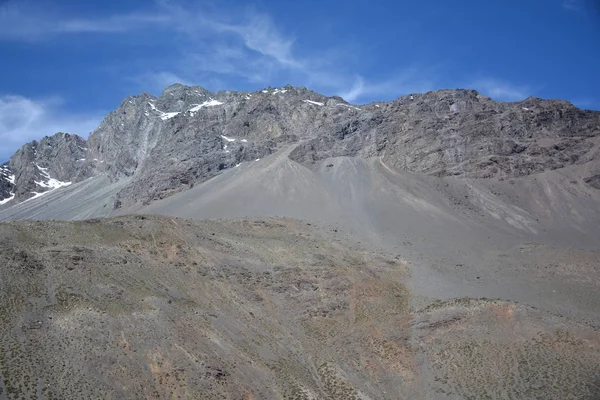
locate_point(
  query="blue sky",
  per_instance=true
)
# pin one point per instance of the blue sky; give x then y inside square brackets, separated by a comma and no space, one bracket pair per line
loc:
[65,64]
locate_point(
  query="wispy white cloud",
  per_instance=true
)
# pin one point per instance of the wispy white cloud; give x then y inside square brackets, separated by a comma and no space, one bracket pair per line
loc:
[405,81]
[357,90]
[26,21]
[23,119]
[500,90]
[219,47]
[213,47]
[249,44]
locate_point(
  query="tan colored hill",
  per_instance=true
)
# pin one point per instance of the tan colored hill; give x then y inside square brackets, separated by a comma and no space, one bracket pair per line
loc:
[159,307]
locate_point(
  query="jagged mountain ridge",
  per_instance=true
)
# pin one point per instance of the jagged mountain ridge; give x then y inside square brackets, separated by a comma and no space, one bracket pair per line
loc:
[164,145]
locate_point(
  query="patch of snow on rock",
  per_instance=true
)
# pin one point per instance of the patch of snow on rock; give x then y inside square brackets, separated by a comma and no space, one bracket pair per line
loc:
[209,103]
[36,195]
[12,196]
[163,115]
[51,183]
[6,172]
[316,103]
[228,139]
[167,116]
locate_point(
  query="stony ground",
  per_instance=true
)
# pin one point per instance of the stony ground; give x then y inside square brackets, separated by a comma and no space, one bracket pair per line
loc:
[167,308]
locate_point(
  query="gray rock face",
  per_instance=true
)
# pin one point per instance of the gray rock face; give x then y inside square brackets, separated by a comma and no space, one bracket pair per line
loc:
[593,181]
[39,167]
[461,133]
[7,184]
[188,135]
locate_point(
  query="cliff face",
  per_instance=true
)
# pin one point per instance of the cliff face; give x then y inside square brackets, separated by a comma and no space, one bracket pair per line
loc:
[461,133]
[165,144]
[39,167]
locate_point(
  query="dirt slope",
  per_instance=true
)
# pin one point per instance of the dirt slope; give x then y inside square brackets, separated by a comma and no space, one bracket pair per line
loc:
[464,236]
[159,307]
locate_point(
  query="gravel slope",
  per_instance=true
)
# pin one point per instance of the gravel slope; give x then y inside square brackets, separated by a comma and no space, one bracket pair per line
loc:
[160,307]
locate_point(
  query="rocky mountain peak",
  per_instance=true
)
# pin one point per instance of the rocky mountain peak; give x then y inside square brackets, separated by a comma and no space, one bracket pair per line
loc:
[39,167]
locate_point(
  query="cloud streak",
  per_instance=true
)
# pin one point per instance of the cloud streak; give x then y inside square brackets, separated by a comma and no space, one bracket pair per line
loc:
[219,48]
[23,119]
[216,48]
[500,90]
[22,21]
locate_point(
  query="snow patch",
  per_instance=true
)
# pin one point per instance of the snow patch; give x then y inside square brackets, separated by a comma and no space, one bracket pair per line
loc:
[167,116]
[51,183]
[12,196]
[276,91]
[258,159]
[316,103]
[209,103]
[47,182]
[81,159]
[265,91]
[228,139]
[377,105]
[237,165]
[244,140]
[163,115]
[525,108]
[36,195]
